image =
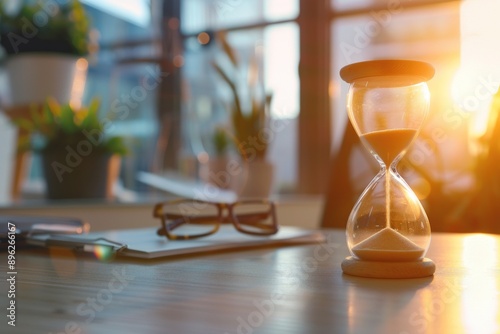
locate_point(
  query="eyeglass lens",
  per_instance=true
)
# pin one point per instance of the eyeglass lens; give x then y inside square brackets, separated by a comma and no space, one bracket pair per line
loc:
[254,217]
[191,218]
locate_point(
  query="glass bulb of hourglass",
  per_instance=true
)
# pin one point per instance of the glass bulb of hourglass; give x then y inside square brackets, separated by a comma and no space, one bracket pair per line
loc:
[388,222]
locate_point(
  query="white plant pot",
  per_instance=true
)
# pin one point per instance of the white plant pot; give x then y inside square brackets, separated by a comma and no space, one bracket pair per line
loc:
[34,77]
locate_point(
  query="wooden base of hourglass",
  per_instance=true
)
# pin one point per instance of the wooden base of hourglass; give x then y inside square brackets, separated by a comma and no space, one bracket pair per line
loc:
[377,269]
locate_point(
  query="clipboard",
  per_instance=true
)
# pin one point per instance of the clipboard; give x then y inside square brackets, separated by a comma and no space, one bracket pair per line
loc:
[32,225]
[146,244]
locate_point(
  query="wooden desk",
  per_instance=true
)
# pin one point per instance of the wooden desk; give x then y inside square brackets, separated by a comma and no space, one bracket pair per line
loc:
[299,289]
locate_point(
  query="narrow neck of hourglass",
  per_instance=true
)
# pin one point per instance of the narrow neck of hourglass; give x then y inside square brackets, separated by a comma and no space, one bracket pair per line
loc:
[388,166]
[388,145]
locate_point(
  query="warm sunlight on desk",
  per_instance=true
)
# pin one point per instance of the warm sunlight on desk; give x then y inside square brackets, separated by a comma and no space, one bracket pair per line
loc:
[480,252]
[481,291]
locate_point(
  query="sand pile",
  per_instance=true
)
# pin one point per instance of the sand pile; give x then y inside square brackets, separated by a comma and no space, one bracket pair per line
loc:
[388,245]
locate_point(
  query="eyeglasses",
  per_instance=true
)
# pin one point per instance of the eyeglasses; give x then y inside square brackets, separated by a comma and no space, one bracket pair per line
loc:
[189,219]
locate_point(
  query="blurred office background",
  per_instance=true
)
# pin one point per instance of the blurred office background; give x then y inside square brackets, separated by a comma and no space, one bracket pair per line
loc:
[300,46]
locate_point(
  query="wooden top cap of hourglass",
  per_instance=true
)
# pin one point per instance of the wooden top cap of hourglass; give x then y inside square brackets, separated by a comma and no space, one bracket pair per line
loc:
[376,68]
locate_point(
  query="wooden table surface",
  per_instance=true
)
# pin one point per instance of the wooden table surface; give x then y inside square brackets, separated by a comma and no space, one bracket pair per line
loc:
[296,289]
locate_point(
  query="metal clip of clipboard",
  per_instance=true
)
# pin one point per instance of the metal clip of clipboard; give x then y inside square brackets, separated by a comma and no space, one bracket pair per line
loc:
[76,243]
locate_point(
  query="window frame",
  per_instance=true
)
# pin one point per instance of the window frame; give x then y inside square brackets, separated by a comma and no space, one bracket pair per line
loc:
[314,121]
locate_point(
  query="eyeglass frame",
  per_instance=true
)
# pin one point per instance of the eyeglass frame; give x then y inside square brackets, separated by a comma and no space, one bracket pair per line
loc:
[230,218]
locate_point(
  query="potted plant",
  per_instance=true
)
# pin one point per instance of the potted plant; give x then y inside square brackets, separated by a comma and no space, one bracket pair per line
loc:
[249,123]
[45,44]
[220,141]
[214,170]
[78,159]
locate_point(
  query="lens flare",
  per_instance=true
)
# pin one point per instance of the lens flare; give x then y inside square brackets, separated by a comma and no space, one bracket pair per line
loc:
[103,253]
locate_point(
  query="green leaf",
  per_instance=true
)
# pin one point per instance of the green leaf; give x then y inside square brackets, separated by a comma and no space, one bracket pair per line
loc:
[47,115]
[36,118]
[67,120]
[57,126]
[91,121]
[116,145]
[246,125]
[221,141]
[224,76]
[24,124]
[69,25]
[269,99]
[231,84]
[228,50]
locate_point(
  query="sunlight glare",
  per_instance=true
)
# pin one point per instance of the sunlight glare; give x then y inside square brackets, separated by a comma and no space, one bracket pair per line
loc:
[480,252]
[481,292]
[477,79]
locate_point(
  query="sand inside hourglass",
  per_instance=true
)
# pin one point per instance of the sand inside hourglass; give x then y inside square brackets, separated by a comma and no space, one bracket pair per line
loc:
[389,143]
[387,244]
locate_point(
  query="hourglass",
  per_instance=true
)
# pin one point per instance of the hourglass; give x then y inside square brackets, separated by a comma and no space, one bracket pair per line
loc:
[388,232]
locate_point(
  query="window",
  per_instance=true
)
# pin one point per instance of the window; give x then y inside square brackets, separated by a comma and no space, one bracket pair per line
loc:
[127,60]
[264,30]
[137,12]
